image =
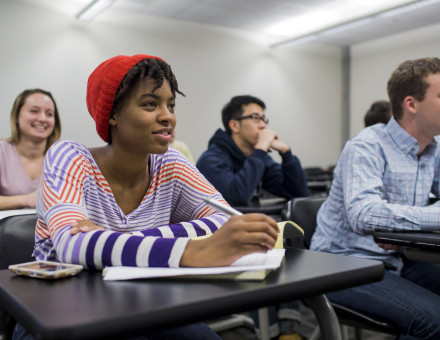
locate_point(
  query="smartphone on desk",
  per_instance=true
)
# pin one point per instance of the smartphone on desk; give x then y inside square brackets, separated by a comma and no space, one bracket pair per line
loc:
[46,269]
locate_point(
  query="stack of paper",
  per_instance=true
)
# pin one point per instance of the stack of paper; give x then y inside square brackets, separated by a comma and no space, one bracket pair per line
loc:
[252,267]
[7,213]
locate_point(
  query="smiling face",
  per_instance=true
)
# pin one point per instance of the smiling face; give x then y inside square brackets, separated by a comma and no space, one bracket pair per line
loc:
[145,121]
[36,118]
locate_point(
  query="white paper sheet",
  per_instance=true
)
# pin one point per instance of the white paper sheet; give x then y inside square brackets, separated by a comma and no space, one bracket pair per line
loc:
[7,213]
[256,261]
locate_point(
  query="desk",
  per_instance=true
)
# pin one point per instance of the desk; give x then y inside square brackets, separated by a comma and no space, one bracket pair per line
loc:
[423,255]
[86,307]
[271,207]
[319,185]
[419,246]
[7,213]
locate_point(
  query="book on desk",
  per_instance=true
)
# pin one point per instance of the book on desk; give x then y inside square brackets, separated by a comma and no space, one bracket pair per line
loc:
[255,266]
[251,267]
[14,212]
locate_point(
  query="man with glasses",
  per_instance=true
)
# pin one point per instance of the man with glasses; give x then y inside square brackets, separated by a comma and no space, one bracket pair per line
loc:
[238,163]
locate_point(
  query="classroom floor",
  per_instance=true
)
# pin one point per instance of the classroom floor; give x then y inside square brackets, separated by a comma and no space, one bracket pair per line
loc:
[308,324]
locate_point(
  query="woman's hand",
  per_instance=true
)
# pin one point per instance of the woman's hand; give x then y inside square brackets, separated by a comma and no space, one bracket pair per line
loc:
[30,200]
[239,236]
[83,226]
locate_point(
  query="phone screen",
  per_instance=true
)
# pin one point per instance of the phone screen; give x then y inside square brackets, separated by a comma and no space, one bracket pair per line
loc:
[46,267]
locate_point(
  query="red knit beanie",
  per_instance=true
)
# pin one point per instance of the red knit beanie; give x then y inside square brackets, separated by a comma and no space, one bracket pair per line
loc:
[102,86]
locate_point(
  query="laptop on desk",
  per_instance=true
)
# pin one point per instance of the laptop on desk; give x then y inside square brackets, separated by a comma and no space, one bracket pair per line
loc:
[416,239]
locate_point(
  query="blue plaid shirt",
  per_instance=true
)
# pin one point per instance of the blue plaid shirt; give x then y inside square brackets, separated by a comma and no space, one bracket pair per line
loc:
[379,184]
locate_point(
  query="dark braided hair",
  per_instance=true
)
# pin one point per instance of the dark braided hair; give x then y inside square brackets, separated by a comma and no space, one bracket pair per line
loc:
[147,68]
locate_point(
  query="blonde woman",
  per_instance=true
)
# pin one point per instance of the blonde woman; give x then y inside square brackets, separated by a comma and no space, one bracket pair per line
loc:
[35,126]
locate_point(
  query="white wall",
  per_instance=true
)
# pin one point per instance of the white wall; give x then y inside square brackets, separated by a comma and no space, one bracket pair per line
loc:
[49,49]
[373,62]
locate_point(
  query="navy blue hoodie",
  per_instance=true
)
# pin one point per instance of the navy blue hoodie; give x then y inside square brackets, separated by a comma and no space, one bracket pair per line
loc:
[237,177]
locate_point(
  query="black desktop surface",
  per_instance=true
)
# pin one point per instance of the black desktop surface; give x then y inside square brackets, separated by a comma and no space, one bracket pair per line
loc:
[86,307]
[414,239]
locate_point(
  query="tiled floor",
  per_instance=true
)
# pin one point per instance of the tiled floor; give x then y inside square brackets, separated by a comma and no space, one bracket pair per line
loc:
[308,324]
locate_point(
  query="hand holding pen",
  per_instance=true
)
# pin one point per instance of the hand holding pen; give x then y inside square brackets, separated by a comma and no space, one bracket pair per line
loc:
[222,207]
[239,236]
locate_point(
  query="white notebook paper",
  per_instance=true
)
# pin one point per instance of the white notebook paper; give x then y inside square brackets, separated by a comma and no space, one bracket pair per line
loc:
[248,267]
[7,213]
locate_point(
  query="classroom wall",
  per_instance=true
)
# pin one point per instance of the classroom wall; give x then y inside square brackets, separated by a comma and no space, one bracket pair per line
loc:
[373,62]
[46,48]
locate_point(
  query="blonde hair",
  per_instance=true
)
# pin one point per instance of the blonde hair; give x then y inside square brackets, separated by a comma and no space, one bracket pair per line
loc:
[18,104]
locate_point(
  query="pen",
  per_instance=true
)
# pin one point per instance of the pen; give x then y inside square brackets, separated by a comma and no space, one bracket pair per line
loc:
[222,207]
[227,210]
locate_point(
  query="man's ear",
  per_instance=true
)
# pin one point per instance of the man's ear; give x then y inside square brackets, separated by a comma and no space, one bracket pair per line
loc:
[410,104]
[234,125]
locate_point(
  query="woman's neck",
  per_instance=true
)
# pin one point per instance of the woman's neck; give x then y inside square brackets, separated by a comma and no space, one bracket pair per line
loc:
[127,175]
[30,149]
[121,167]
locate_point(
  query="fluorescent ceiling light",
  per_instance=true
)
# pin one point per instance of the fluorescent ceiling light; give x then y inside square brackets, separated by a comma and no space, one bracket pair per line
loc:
[330,13]
[296,41]
[330,29]
[93,9]
[406,8]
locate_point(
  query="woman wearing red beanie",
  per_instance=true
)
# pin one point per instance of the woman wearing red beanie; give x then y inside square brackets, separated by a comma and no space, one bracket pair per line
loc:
[134,202]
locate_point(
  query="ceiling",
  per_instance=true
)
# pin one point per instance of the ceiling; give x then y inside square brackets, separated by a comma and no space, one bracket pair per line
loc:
[258,16]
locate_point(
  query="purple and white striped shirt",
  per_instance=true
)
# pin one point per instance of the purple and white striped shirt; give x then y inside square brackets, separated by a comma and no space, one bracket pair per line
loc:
[154,234]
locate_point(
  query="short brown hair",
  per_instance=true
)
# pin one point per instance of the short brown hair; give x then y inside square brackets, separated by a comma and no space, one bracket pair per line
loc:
[409,79]
[18,104]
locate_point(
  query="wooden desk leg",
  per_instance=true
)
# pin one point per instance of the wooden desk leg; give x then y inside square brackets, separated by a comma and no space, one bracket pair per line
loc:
[263,320]
[327,319]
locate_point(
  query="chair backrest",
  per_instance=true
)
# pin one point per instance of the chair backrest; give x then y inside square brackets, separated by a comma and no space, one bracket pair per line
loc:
[303,212]
[17,239]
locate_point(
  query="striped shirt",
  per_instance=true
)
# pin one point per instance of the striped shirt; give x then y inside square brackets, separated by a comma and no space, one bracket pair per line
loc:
[379,184]
[154,234]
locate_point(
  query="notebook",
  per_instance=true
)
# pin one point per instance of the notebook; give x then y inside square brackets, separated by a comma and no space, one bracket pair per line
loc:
[416,239]
[7,213]
[251,267]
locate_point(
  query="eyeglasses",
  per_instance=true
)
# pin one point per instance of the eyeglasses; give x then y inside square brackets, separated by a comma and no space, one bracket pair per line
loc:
[255,117]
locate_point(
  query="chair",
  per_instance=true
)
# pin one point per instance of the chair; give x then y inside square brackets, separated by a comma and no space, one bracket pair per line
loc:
[303,211]
[17,240]
[318,181]
[266,204]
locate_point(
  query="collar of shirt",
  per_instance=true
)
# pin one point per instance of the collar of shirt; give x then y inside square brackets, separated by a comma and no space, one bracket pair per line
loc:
[405,142]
